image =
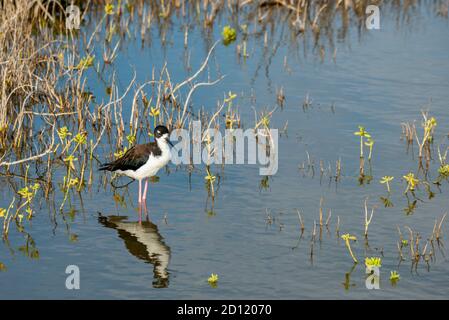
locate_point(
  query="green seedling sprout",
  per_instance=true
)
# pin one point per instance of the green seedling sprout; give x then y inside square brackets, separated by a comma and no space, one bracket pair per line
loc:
[386,180]
[362,133]
[213,280]
[394,277]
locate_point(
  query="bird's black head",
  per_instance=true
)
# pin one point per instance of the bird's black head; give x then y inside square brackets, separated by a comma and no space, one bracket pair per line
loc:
[159,131]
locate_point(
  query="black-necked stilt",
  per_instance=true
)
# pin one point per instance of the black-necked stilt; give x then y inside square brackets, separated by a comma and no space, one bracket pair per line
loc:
[143,161]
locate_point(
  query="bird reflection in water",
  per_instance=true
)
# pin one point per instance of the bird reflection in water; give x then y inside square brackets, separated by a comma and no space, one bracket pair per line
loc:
[144,242]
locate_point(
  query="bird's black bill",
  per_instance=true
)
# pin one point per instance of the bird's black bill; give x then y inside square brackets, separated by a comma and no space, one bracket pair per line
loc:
[169,142]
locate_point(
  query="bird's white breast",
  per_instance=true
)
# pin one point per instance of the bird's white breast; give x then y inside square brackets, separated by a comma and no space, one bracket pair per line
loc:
[152,166]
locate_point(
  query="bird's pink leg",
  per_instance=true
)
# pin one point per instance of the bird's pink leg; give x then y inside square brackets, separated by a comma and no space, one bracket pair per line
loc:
[144,195]
[140,201]
[144,198]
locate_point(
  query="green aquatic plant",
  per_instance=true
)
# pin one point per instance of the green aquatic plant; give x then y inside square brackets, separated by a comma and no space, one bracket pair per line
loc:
[394,277]
[429,125]
[109,9]
[412,182]
[63,133]
[164,10]
[386,180]
[85,63]
[7,217]
[213,280]
[228,100]
[443,171]
[362,133]
[131,139]
[120,153]
[71,161]
[27,195]
[229,35]
[154,113]
[348,238]
[231,116]
[80,138]
[69,181]
[210,180]
[265,121]
[231,119]
[370,144]
[73,182]
[71,146]
[373,262]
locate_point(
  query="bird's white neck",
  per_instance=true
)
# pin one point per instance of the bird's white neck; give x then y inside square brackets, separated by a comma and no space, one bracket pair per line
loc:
[163,144]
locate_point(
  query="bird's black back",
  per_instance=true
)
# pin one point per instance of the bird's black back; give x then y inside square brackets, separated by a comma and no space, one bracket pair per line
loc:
[134,158]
